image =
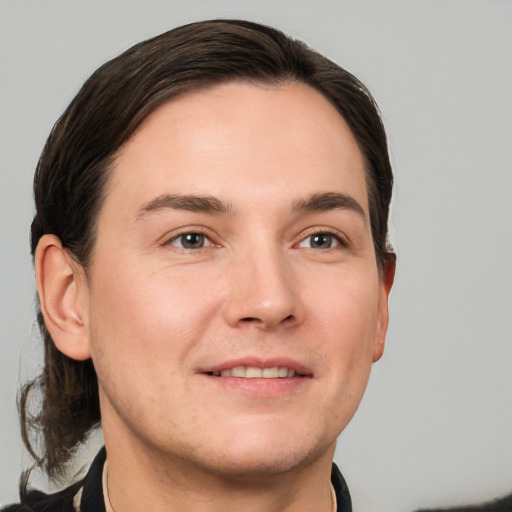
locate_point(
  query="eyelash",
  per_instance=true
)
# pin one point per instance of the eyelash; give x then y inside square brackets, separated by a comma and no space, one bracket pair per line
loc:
[207,238]
[193,231]
[327,232]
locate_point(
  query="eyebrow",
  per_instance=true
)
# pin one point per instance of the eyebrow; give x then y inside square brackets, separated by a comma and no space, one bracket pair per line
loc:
[321,202]
[207,204]
[329,201]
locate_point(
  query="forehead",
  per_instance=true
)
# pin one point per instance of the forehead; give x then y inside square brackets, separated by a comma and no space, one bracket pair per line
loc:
[242,142]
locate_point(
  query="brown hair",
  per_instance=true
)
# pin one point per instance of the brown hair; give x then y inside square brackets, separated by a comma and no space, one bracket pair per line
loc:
[74,167]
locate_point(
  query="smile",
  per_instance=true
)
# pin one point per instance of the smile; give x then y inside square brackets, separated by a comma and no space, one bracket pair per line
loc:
[261,378]
[253,372]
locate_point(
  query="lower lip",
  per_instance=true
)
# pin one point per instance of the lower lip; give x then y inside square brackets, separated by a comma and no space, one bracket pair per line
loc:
[262,388]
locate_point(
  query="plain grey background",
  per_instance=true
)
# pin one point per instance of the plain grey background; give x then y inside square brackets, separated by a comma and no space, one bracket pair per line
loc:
[435,426]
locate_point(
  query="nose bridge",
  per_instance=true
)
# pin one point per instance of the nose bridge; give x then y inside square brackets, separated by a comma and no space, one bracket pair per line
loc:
[263,288]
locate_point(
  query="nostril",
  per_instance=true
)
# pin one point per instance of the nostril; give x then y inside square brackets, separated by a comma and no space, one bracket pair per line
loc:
[251,319]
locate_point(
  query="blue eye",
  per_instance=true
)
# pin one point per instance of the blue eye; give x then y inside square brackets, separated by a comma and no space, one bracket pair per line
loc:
[320,241]
[190,241]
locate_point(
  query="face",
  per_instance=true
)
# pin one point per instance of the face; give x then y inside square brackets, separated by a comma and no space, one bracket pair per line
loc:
[234,302]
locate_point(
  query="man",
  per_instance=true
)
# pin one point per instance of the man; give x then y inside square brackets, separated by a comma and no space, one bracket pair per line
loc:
[210,244]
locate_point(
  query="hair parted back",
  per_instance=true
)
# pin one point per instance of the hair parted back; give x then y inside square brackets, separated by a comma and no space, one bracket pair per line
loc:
[72,173]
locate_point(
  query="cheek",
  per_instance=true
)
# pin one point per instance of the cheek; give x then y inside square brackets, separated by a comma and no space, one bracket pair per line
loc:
[347,312]
[141,331]
[143,324]
[347,306]
[148,302]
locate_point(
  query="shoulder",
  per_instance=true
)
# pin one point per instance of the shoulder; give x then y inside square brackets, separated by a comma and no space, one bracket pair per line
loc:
[37,501]
[62,501]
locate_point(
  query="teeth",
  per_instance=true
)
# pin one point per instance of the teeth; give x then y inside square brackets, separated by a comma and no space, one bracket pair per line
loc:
[238,371]
[252,372]
[282,372]
[270,373]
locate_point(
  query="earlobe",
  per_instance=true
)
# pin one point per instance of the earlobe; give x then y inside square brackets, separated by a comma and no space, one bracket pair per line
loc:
[63,296]
[386,283]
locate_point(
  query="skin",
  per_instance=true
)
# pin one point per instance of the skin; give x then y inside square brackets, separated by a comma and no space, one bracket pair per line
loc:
[271,279]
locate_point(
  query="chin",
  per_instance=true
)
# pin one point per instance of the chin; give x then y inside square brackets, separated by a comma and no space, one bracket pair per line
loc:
[256,466]
[262,456]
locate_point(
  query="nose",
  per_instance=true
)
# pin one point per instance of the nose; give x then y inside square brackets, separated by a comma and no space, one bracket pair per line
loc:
[263,292]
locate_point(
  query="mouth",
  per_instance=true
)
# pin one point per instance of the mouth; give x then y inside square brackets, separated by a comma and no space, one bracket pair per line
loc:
[260,378]
[258,368]
[254,372]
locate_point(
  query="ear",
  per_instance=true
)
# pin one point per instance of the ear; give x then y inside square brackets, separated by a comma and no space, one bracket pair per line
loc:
[385,284]
[63,296]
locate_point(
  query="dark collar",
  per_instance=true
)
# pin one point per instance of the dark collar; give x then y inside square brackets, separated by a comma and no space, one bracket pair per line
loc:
[92,495]
[341,490]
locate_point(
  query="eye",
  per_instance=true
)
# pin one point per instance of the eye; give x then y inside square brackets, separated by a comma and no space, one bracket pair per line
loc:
[190,241]
[320,241]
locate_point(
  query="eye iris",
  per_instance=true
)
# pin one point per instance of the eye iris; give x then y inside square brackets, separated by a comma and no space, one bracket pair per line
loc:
[192,240]
[321,241]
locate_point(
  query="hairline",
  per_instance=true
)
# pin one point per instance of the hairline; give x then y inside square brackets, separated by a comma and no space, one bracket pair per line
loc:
[204,86]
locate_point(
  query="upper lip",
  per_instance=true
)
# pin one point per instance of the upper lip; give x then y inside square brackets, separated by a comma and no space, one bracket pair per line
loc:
[257,362]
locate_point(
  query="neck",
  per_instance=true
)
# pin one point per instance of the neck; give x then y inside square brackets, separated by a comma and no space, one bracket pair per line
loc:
[140,480]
